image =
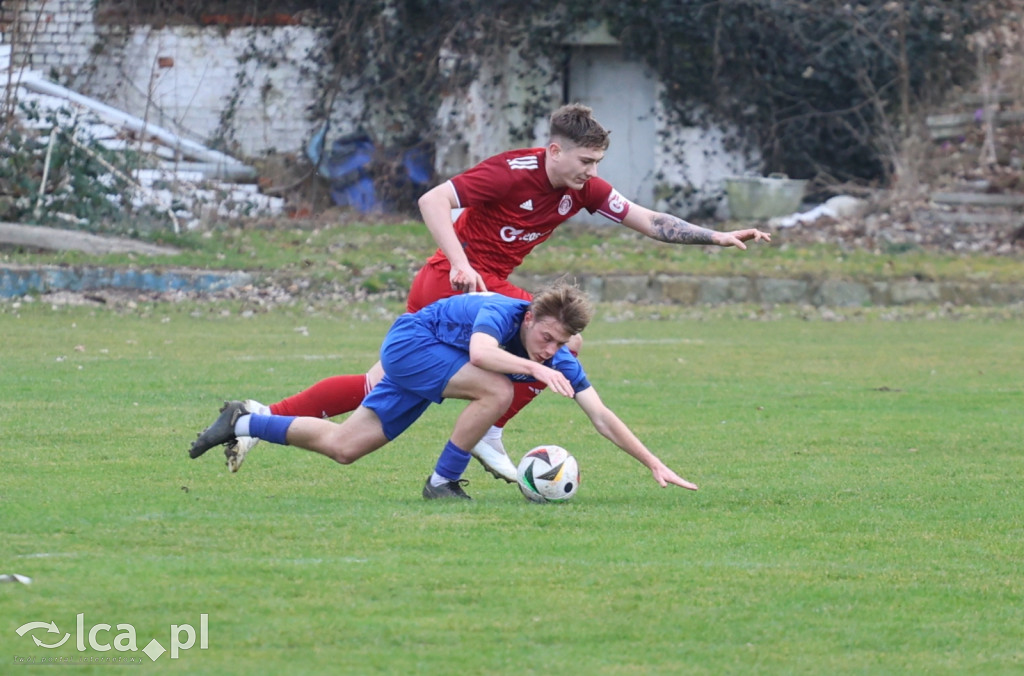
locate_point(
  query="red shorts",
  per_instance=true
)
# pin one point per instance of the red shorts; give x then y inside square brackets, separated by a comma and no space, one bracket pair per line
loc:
[433,282]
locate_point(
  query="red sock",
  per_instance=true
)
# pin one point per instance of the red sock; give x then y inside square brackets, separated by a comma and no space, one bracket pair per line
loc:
[326,399]
[524,394]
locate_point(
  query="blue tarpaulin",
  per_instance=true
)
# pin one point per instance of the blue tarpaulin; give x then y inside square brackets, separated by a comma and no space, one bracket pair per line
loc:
[347,167]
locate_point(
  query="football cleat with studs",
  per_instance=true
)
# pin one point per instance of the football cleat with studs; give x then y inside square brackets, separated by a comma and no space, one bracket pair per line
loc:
[236,449]
[221,431]
[447,490]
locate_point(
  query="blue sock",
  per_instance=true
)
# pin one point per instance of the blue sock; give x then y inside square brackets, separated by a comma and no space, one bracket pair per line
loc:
[272,428]
[453,462]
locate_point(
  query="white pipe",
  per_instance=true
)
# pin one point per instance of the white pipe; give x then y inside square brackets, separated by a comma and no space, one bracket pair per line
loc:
[135,124]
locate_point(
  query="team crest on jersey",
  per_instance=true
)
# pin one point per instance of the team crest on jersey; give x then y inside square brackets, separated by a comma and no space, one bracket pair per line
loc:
[565,205]
[616,202]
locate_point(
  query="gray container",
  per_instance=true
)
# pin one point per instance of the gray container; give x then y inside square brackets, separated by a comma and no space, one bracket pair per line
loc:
[756,198]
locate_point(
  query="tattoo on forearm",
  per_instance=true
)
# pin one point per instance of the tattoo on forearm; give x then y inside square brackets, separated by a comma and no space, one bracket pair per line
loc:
[668,228]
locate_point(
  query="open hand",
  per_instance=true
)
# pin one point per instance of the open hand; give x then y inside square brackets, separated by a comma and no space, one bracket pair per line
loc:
[556,381]
[665,476]
[737,238]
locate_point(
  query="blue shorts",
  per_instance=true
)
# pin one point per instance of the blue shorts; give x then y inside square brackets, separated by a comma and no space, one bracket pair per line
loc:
[417,368]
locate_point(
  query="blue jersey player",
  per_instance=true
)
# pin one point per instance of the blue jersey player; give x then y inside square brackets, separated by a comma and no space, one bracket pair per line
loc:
[470,347]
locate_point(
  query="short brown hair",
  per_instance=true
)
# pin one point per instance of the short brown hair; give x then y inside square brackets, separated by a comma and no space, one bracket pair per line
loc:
[574,122]
[566,303]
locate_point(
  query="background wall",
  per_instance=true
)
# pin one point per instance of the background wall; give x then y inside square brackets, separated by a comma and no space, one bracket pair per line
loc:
[249,91]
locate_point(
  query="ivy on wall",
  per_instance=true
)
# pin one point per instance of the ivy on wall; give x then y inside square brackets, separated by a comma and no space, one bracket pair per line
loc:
[401,57]
[812,83]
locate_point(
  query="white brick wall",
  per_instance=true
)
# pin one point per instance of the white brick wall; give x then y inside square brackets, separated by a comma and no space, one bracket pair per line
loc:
[201,86]
[195,94]
[693,162]
[52,34]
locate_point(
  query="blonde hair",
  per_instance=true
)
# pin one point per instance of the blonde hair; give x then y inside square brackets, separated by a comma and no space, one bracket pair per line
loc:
[566,303]
[575,123]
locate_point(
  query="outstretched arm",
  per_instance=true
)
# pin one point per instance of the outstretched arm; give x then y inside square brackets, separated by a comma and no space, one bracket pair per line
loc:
[668,228]
[436,208]
[485,352]
[616,431]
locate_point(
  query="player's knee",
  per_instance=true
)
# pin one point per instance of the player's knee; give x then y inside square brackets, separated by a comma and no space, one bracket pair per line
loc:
[508,393]
[343,459]
[340,454]
[502,392]
[341,449]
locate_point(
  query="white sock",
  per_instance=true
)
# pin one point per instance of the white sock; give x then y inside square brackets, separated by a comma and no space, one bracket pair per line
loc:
[242,426]
[493,439]
[438,480]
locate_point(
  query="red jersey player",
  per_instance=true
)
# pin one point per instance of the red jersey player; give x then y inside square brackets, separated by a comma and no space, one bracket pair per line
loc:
[511,203]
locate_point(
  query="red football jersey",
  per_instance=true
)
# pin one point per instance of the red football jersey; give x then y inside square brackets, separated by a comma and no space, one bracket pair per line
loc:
[509,207]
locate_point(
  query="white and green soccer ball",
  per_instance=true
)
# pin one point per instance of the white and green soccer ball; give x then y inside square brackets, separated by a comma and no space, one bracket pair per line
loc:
[548,474]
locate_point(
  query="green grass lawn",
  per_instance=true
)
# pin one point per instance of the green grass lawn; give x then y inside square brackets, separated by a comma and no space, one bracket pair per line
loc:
[860,509]
[386,255]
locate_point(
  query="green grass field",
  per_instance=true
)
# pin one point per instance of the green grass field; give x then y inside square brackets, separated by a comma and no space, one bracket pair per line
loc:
[386,255]
[860,509]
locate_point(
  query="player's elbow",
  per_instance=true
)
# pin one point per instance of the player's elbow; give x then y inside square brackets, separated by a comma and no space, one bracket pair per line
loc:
[575,344]
[606,423]
[433,199]
[484,351]
[423,202]
[602,427]
[478,359]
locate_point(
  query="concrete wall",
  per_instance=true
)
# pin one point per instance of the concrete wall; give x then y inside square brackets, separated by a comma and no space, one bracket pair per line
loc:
[210,84]
[693,162]
[484,119]
[17,281]
[819,292]
[50,35]
[214,85]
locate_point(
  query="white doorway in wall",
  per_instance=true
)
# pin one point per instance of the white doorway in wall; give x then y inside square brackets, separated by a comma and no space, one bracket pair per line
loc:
[622,94]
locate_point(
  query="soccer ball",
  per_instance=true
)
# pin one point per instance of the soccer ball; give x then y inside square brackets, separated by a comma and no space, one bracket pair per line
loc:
[548,474]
